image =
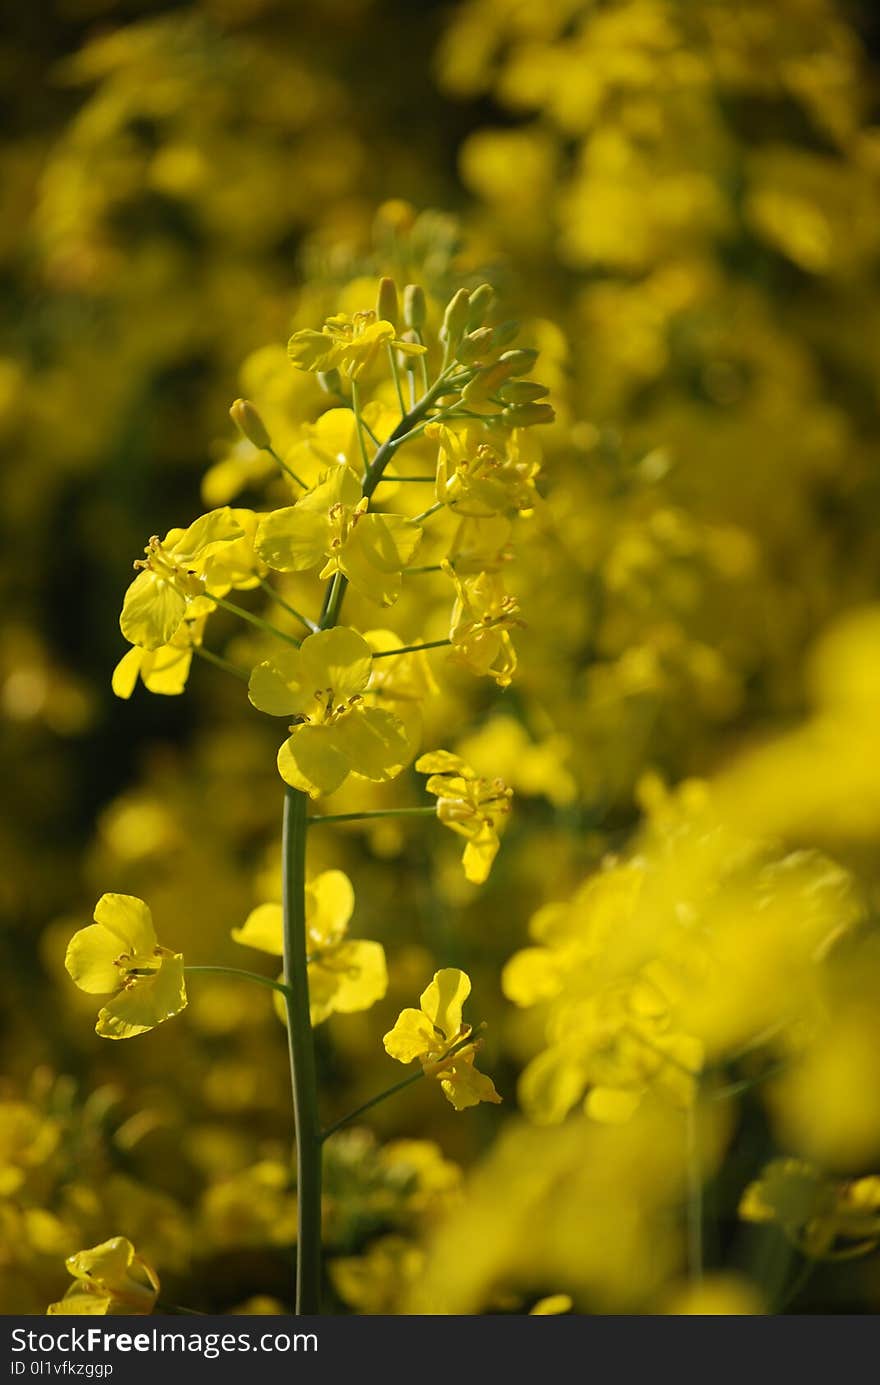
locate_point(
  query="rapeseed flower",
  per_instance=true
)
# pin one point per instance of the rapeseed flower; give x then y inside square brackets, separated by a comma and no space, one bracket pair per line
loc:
[108,1279]
[348,343]
[119,955]
[171,578]
[322,684]
[436,1035]
[473,807]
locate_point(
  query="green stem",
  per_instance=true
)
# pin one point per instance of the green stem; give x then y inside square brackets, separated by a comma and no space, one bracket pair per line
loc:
[333,601]
[241,975]
[374,1101]
[694,1198]
[392,361]
[219,662]
[266,626]
[286,469]
[411,649]
[291,610]
[426,514]
[406,424]
[374,813]
[301,1042]
[355,404]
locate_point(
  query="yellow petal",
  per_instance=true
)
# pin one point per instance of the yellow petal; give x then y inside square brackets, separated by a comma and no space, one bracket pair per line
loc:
[554,1303]
[204,535]
[550,1085]
[277,688]
[329,907]
[129,919]
[373,742]
[145,1001]
[263,929]
[152,610]
[293,539]
[309,760]
[532,975]
[440,762]
[125,674]
[479,854]
[412,1037]
[339,659]
[442,1000]
[351,978]
[165,671]
[612,1105]
[464,1086]
[91,960]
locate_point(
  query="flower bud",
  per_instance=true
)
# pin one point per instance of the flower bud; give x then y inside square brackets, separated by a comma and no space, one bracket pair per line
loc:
[522,391]
[250,424]
[506,332]
[405,359]
[520,360]
[524,415]
[481,301]
[387,307]
[455,318]
[415,308]
[475,344]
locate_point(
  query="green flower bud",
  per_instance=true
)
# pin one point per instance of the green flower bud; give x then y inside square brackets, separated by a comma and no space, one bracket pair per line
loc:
[525,415]
[455,318]
[520,360]
[415,308]
[475,345]
[522,391]
[481,301]
[248,421]
[387,306]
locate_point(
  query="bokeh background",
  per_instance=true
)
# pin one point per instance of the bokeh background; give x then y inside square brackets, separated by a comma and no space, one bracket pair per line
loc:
[681,201]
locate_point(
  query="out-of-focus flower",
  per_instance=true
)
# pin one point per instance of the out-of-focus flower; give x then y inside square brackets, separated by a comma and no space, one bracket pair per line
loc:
[109,1279]
[349,343]
[345,974]
[824,1217]
[119,955]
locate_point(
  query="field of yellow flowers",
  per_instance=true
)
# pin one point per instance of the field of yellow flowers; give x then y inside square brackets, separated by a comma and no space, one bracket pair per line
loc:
[440,657]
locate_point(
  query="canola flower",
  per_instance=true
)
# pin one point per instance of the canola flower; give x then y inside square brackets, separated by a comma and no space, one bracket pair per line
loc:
[108,1279]
[436,1035]
[353,700]
[119,955]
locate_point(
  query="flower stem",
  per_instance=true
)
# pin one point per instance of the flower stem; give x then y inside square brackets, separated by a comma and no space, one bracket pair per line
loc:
[242,976]
[286,469]
[302,1055]
[374,813]
[356,406]
[251,619]
[694,1198]
[291,610]
[411,649]
[219,662]
[374,1101]
[395,373]
[426,514]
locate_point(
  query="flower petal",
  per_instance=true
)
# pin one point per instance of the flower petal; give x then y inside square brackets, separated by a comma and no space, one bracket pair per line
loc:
[329,906]
[293,539]
[339,659]
[374,742]
[442,1000]
[91,960]
[412,1037]
[263,929]
[125,674]
[129,919]
[310,760]
[277,688]
[465,1086]
[152,610]
[351,978]
[145,1002]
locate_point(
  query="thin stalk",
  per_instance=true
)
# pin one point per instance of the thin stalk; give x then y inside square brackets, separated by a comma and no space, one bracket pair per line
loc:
[426,514]
[392,361]
[390,1091]
[266,626]
[301,1043]
[394,480]
[288,471]
[411,649]
[219,662]
[333,601]
[291,610]
[374,813]
[242,976]
[694,1198]
[355,404]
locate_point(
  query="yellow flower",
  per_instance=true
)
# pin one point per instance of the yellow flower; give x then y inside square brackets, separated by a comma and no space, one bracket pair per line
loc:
[436,1036]
[345,976]
[110,1278]
[814,1210]
[480,474]
[475,808]
[164,670]
[479,628]
[331,526]
[119,955]
[375,1282]
[171,577]
[347,343]
[553,1304]
[322,684]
